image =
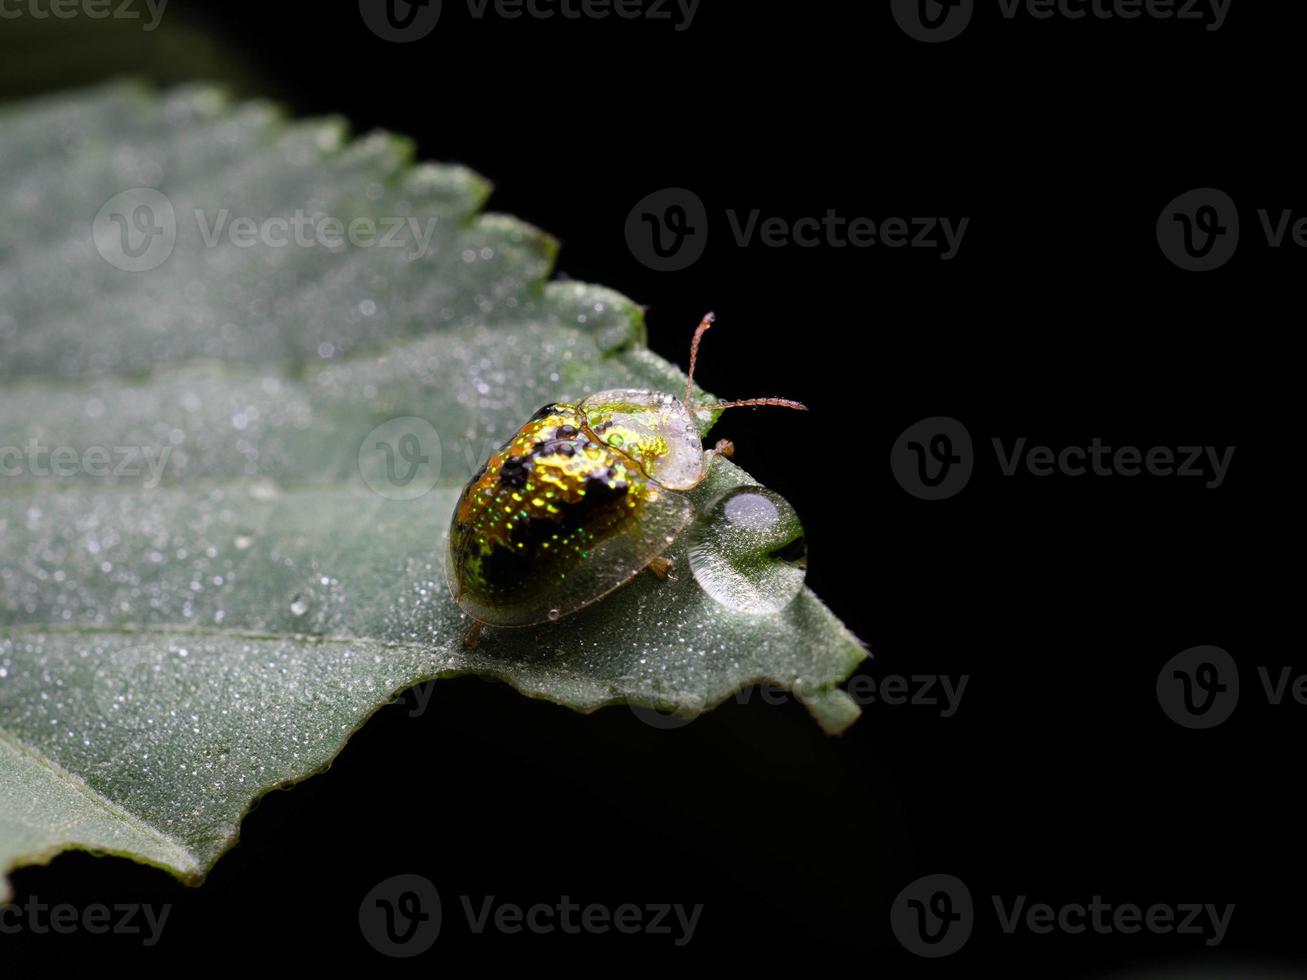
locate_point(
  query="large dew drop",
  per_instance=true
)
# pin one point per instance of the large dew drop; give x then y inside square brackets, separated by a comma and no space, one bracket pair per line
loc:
[747,551]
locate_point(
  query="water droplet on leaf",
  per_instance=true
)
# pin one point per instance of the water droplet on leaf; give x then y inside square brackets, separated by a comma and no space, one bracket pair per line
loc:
[747,551]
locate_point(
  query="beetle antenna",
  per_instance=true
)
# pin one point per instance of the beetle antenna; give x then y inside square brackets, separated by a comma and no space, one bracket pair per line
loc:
[757,402]
[704,324]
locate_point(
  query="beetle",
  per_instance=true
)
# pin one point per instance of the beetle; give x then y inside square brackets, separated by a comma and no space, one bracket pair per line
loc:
[581,499]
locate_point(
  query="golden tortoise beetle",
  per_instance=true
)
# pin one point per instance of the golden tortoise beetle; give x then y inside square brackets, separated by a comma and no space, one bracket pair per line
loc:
[579,501]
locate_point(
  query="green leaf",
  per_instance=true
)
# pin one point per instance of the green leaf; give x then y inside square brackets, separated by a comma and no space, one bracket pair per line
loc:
[180,636]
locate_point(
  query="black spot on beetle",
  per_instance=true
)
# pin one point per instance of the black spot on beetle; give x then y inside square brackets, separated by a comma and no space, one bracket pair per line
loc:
[515,472]
[532,532]
[598,497]
[505,569]
[516,569]
[553,447]
[565,432]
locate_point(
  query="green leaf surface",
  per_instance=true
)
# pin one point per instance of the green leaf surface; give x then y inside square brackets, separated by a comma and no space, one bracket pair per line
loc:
[181,635]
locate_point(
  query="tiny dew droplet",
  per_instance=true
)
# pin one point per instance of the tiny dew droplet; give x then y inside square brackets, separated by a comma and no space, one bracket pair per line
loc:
[553,615]
[243,540]
[264,490]
[298,606]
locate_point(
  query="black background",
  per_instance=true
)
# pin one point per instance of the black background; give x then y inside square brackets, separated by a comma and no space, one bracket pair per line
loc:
[1060,320]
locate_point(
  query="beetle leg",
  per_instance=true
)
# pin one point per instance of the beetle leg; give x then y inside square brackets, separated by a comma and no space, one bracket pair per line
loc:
[473,635]
[662,567]
[724,447]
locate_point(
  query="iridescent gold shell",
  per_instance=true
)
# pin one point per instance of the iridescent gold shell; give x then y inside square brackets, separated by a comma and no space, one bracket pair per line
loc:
[580,500]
